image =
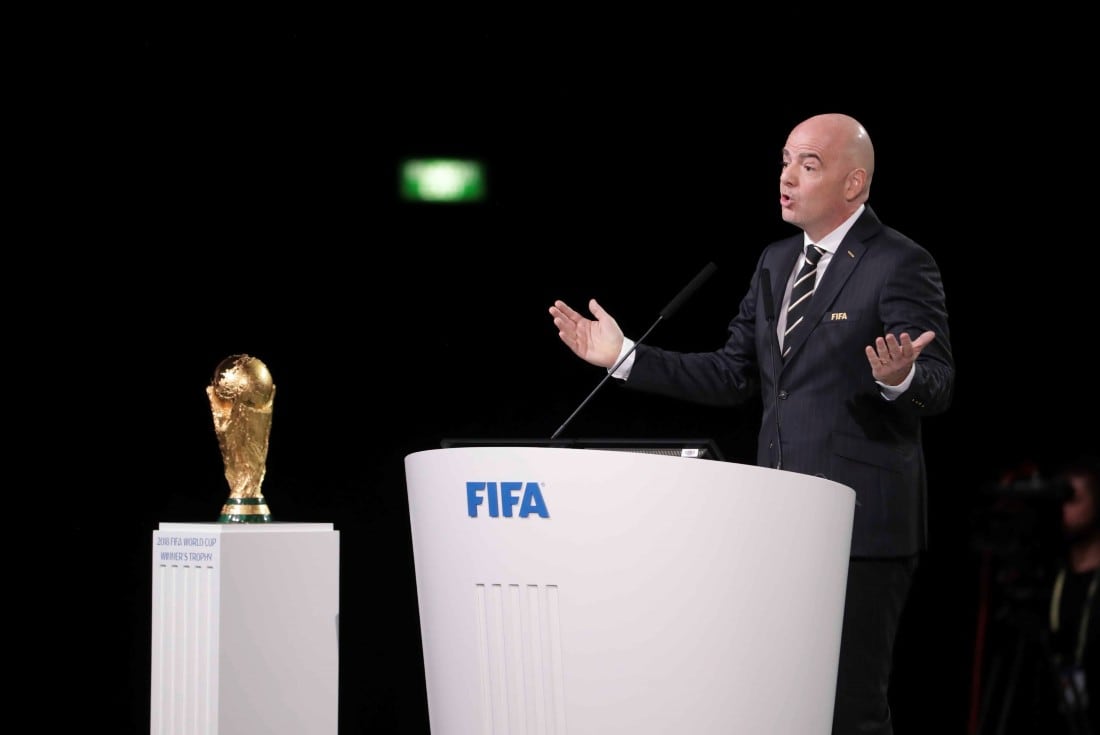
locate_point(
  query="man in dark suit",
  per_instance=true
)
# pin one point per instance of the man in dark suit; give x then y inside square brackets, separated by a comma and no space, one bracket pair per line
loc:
[846,369]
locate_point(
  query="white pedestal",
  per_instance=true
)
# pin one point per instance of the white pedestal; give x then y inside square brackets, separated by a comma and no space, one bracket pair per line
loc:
[245,624]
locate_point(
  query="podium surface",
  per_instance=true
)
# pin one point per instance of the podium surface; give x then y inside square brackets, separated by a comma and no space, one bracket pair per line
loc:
[244,633]
[590,591]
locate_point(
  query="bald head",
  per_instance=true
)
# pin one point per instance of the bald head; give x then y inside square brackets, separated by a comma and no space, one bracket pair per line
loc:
[828,165]
[845,136]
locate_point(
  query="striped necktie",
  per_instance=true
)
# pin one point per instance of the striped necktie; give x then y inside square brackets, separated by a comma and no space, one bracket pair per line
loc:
[801,293]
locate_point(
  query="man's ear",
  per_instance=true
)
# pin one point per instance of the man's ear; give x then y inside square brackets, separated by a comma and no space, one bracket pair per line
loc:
[856,185]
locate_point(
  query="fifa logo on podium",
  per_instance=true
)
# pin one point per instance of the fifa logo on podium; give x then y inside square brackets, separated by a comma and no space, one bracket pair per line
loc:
[502,499]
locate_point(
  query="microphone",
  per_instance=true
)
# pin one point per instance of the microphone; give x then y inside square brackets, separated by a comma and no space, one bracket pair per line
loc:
[769,303]
[686,292]
[665,313]
[773,343]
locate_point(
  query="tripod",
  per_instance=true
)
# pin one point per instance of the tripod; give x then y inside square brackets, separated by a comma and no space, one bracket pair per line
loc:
[1025,690]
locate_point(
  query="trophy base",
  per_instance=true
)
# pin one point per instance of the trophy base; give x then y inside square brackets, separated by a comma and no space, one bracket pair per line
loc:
[245,510]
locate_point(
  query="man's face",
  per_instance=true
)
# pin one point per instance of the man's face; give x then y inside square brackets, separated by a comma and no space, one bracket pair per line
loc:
[812,181]
[1079,511]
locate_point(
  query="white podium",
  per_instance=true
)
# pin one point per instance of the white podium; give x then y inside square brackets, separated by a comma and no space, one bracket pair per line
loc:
[589,591]
[244,634]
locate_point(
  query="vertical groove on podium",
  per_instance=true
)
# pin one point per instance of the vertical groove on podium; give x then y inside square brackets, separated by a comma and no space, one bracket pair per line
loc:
[519,639]
[186,640]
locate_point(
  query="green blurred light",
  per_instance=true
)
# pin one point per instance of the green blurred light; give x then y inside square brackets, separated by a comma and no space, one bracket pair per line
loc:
[442,180]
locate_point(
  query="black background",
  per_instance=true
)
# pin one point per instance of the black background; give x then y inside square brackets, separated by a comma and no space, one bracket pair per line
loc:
[198,193]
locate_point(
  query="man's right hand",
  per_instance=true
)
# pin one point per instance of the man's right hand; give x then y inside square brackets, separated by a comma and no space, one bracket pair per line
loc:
[596,341]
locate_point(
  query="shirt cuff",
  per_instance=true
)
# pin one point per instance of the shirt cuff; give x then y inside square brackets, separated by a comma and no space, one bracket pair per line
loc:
[623,371]
[891,392]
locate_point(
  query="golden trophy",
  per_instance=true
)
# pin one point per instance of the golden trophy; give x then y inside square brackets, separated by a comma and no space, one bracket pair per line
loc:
[241,397]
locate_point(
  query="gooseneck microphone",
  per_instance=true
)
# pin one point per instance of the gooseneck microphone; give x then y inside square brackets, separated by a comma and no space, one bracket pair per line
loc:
[769,303]
[685,293]
[774,350]
[665,313]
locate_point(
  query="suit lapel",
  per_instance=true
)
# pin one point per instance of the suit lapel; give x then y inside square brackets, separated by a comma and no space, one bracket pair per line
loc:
[782,272]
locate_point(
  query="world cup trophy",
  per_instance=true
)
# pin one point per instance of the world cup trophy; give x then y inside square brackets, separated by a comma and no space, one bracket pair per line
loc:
[241,398]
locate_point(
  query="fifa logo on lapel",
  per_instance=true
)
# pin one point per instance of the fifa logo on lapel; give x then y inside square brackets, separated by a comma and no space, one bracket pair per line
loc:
[838,316]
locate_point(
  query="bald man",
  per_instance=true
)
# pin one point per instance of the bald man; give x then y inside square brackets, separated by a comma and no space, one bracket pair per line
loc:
[846,370]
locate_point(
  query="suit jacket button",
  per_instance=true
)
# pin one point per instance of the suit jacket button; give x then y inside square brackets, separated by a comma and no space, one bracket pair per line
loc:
[782,395]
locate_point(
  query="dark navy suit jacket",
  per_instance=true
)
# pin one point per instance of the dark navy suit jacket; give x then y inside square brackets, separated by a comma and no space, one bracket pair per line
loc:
[824,413]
